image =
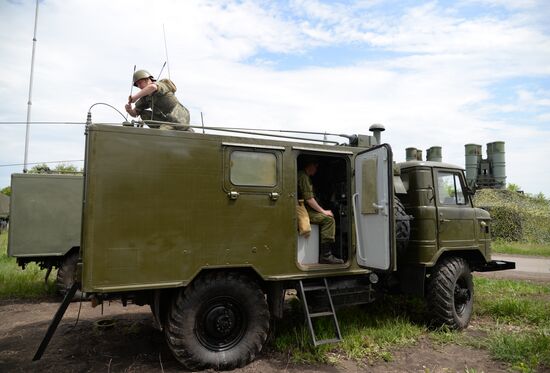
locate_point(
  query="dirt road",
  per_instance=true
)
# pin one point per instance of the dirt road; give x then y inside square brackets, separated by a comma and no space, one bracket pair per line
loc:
[132,344]
[533,268]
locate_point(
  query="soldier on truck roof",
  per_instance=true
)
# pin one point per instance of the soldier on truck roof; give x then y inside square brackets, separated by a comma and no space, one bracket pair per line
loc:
[157,101]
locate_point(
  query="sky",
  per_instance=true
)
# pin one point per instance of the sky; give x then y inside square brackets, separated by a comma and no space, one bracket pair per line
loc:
[434,73]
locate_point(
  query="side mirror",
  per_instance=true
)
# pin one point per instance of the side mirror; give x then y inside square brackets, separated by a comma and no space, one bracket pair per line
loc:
[471,188]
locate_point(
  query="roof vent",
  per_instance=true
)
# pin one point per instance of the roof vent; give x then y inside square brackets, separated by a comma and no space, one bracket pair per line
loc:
[376,129]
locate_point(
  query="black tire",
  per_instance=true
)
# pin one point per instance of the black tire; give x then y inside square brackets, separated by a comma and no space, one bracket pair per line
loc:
[66,274]
[402,226]
[450,293]
[220,321]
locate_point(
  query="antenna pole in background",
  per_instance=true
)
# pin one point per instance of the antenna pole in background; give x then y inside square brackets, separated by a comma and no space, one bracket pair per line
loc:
[29,103]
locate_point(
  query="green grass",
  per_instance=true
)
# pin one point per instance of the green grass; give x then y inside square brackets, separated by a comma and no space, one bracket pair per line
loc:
[513,316]
[520,312]
[520,302]
[525,352]
[16,283]
[521,248]
[369,333]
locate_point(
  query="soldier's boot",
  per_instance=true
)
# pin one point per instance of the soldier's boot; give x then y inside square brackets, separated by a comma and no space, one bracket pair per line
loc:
[326,256]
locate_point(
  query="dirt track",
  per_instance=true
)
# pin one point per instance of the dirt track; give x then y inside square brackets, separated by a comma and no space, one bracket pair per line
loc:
[134,345]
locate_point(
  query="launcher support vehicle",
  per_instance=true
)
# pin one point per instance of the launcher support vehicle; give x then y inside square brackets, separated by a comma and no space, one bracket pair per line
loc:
[203,228]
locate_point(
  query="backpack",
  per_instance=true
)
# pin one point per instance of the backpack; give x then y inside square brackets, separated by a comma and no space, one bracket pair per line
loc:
[170,84]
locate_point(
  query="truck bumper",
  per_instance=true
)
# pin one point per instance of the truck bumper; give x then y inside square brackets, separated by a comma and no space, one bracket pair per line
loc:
[496,265]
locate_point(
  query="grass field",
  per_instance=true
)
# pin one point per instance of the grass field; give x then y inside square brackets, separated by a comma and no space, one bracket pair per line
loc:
[521,248]
[17,283]
[514,317]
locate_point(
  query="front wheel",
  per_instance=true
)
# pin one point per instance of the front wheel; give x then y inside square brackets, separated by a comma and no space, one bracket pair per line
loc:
[220,321]
[450,293]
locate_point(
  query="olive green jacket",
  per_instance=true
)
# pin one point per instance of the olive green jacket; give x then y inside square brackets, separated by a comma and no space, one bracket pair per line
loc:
[163,105]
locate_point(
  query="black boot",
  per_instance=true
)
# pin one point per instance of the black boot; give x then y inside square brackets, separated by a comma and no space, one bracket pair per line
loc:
[326,256]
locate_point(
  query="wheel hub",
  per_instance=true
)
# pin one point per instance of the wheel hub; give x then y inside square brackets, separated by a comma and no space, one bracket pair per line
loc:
[221,324]
[461,297]
[220,321]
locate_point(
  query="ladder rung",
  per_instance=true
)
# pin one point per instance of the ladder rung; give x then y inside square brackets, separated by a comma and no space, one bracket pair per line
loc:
[325,341]
[313,288]
[310,316]
[321,314]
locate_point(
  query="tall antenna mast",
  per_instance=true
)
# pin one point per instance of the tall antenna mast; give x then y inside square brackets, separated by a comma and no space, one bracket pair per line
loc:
[166,52]
[29,103]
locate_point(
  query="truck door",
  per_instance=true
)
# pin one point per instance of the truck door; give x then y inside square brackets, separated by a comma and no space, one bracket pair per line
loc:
[373,208]
[456,217]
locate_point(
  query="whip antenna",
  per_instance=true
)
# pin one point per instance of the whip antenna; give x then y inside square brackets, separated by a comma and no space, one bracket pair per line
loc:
[166,51]
[131,89]
[29,103]
[161,70]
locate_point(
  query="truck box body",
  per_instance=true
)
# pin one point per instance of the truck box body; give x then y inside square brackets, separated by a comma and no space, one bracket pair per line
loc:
[46,214]
[4,206]
[160,206]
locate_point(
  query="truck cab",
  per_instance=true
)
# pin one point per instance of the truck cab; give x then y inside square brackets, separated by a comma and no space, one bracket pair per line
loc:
[445,219]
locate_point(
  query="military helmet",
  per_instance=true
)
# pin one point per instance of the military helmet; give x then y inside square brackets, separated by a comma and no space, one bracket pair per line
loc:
[142,74]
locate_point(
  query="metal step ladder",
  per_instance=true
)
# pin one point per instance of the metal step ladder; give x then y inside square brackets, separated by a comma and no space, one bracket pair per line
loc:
[309,286]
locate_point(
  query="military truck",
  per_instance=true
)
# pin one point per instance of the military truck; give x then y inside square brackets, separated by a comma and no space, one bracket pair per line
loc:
[4,211]
[46,214]
[203,228]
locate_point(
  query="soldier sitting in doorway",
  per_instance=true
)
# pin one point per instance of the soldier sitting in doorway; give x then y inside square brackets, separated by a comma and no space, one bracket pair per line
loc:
[157,101]
[318,215]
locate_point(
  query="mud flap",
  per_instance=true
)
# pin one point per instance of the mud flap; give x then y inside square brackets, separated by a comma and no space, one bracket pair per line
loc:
[55,322]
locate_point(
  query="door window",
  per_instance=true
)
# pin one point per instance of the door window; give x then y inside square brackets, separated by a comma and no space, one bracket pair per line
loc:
[450,190]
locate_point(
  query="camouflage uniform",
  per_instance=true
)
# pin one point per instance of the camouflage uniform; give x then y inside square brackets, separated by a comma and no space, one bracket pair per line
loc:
[164,107]
[305,192]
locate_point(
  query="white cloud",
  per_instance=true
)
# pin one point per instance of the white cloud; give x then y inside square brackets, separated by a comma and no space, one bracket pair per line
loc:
[433,91]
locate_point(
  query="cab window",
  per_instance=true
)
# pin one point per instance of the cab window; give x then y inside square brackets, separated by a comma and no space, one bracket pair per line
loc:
[450,190]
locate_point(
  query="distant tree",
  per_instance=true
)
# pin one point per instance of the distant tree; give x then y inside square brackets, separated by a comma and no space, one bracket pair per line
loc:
[540,196]
[6,191]
[59,169]
[66,169]
[513,187]
[40,169]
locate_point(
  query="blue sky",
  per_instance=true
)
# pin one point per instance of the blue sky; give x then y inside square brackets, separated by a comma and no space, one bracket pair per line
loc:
[434,73]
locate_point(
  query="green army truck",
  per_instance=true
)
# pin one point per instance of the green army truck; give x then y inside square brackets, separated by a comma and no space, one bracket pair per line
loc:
[203,228]
[45,223]
[4,211]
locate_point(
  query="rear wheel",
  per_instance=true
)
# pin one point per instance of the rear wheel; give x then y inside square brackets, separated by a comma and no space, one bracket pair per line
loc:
[451,293]
[220,321]
[66,275]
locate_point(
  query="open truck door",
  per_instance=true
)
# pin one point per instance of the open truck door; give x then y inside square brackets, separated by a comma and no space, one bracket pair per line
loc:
[373,209]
